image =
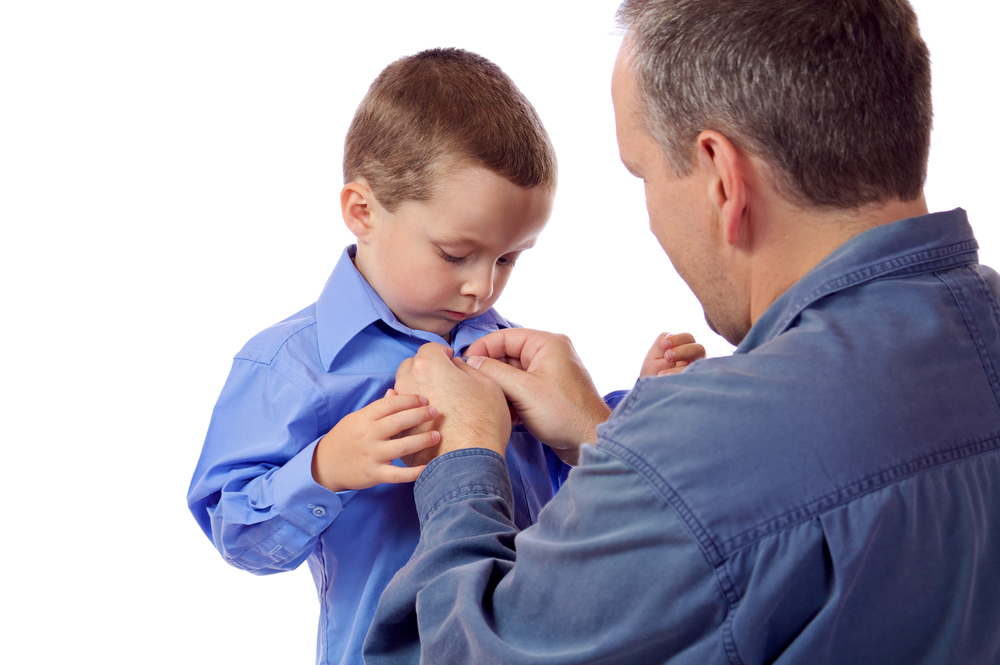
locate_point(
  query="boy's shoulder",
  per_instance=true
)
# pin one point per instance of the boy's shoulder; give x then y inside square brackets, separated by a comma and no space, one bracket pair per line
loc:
[298,330]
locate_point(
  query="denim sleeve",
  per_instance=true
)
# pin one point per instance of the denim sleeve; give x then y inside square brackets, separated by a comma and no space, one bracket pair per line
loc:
[253,492]
[608,574]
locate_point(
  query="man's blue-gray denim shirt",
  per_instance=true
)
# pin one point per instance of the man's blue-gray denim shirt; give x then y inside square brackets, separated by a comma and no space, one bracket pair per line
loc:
[828,494]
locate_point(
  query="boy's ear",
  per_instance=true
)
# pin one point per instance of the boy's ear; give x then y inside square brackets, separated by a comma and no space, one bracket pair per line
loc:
[728,187]
[356,205]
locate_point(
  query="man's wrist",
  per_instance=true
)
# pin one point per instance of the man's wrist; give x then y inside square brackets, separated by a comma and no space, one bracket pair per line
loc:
[458,474]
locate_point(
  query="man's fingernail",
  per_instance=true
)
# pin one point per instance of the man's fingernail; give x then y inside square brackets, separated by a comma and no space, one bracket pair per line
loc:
[475,361]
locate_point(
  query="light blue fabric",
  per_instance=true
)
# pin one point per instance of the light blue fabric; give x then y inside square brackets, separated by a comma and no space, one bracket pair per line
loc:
[828,494]
[253,492]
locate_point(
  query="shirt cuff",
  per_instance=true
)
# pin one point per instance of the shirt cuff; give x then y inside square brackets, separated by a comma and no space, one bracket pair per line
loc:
[301,500]
[458,475]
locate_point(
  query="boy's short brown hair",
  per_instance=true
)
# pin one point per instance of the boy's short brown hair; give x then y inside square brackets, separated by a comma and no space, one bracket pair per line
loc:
[429,112]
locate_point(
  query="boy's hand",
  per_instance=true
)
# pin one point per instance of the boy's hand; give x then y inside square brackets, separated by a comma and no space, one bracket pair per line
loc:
[358,452]
[670,354]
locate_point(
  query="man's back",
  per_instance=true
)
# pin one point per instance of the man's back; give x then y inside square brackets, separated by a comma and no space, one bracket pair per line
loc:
[841,472]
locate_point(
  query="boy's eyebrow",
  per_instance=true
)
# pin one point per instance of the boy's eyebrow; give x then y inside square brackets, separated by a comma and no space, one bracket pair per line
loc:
[463,240]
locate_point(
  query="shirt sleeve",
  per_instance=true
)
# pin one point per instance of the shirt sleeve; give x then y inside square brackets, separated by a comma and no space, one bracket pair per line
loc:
[608,574]
[253,492]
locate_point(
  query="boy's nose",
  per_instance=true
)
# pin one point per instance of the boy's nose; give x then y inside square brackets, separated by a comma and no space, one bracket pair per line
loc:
[479,285]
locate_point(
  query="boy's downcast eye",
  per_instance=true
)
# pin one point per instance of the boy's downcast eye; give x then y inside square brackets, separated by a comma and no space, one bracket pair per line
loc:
[506,263]
[451,259]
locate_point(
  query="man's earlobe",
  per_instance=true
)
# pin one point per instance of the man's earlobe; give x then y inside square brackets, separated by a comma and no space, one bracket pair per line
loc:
[356,207]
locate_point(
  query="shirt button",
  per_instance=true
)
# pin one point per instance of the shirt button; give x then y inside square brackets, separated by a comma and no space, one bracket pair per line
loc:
[319,511]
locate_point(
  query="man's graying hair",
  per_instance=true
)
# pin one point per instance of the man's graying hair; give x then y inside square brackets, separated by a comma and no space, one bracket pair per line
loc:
[833,94]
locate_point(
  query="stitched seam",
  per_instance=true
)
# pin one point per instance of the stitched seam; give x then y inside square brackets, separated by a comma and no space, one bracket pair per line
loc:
[236,557]
[970,323]
[723,582]
[274,355]
[867,485]
[474,489]
[926,261]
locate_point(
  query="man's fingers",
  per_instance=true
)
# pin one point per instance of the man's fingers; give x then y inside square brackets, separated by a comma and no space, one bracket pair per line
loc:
[508,343]
[510,379]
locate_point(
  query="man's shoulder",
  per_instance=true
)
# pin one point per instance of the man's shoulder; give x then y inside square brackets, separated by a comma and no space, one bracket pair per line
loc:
[806,422]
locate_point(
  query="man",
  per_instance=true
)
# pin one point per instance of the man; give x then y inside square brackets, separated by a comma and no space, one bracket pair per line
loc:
[828,494]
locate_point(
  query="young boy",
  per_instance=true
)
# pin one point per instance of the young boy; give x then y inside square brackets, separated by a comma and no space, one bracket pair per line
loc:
[450,176]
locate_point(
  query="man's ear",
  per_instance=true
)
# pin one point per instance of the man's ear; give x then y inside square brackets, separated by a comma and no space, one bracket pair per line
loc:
[728,188]
[356,205]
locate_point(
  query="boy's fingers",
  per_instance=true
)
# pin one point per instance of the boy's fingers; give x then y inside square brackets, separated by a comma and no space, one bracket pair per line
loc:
[399,474]
[688,352]
[673,341]
[407,445]
[394,423]
[394,403]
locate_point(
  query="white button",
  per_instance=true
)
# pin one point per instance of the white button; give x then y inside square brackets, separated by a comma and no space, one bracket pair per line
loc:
[319,511]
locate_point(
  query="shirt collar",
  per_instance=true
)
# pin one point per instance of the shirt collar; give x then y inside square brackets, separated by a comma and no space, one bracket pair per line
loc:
[348,305]
[908,246]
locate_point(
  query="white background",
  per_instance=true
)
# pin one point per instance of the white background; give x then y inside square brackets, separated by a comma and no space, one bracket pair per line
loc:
[169,178]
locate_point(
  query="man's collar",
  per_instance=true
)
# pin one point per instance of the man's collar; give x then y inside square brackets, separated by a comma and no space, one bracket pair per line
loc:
[908,246]
[348,305]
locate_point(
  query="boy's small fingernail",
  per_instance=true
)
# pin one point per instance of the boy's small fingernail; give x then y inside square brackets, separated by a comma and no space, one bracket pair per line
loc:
[433,412]
[671,356]
[474,361]
[423,400]
[666,342]
[436,436]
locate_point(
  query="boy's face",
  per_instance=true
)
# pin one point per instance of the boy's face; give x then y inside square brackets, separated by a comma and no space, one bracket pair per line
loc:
[442,261]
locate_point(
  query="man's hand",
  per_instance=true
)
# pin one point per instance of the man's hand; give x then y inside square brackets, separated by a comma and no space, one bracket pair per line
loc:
[670,354]
[358,452]
[472,410]
[547,385]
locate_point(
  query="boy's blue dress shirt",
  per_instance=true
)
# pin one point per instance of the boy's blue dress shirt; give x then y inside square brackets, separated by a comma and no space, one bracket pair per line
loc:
[253,491]
[828,494]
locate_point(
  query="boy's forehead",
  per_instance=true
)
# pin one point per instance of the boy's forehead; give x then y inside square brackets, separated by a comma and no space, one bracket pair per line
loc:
[472,238]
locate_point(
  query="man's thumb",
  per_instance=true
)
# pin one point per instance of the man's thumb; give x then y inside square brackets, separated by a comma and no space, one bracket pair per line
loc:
[505,375]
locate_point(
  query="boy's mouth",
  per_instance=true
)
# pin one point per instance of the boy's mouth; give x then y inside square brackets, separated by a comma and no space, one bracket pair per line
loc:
[457,316]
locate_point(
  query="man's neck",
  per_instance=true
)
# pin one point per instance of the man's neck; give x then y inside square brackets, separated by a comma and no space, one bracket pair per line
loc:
[793,241]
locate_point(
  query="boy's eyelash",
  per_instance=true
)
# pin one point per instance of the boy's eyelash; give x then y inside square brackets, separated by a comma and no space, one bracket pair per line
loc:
[451,259]
[503,262]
